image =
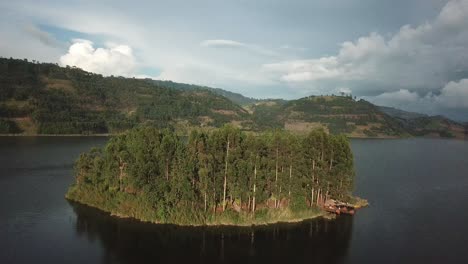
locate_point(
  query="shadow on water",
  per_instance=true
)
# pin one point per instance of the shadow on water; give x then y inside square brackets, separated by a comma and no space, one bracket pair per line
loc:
[130,241]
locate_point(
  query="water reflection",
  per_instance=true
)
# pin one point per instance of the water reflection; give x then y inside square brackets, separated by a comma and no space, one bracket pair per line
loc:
[129,241]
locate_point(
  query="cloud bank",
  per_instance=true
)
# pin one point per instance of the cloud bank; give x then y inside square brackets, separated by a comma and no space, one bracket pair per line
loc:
[425,65]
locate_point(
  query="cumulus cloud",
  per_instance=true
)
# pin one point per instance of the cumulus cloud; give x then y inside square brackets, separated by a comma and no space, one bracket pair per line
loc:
[113,59]
[413,57]
[453,96]
[404,99]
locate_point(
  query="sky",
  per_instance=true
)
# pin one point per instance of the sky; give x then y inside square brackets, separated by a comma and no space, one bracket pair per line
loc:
[409,54]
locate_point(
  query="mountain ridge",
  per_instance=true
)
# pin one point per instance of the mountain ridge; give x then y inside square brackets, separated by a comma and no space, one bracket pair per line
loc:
[44,98]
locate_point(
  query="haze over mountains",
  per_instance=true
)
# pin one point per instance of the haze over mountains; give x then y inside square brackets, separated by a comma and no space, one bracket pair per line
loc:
[43,98]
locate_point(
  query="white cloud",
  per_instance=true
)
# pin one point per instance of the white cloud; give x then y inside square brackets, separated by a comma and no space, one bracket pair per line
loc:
[402,99]
[112,60]
[453,96]
[454,13]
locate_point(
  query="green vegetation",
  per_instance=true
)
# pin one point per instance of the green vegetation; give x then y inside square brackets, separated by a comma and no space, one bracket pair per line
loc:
[223,176]
[43,98]
[234,97]
[8,127]
[71,101]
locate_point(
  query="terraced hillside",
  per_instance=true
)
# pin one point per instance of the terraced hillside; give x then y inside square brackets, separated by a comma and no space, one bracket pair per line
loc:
[335,114]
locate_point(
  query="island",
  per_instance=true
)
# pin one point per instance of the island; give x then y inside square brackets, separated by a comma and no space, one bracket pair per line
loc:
[222,176]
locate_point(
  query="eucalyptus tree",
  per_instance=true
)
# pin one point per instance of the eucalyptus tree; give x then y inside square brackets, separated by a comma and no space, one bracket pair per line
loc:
[215,170]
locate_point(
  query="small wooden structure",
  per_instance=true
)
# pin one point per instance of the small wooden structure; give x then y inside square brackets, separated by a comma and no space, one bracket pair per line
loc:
[337,207]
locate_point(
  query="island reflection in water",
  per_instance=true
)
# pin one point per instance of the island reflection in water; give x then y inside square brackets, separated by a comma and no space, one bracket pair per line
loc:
[131,241]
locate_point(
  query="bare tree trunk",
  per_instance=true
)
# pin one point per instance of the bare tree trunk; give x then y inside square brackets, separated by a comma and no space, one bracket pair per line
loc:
[318,196]
[214,200]
[121,174]
[122,166]
[322,153]
[225,176]
[328,190]
[205,200]
[279,197]
[312,197]
[254,188]
[290,177]
[312,184]
[276,178]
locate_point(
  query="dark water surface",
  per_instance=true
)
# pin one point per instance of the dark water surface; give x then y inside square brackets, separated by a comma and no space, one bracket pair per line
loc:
[418,190]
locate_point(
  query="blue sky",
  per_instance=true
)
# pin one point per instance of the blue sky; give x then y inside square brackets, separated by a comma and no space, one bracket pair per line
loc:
[411,54]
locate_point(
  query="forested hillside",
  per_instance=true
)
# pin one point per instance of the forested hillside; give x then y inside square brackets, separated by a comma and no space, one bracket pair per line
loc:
[234,97]
[41,98]
[224,176]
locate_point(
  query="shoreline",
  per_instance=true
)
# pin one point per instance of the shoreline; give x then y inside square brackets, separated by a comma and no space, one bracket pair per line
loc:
[312,215]
[57,135]
[111,135]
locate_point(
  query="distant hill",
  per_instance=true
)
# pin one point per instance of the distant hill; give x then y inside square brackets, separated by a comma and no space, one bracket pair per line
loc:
[234,97]
[436,126]
[43,98]
[335,114]
[423,125]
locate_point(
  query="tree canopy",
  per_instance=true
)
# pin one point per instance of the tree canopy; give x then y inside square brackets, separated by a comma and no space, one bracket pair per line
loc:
[158,176]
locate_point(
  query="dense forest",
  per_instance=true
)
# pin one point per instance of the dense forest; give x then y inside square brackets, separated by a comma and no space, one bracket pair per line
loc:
[223,176]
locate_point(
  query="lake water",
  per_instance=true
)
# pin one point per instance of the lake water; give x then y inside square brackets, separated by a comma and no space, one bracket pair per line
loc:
[418,190]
